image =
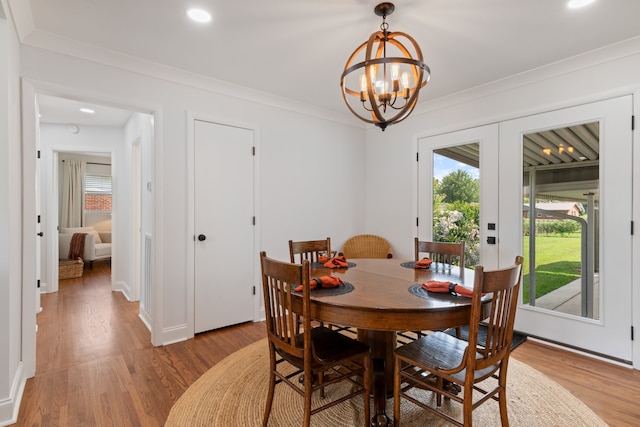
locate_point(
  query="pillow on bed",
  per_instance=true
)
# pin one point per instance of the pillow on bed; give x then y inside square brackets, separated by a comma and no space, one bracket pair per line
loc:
[88,230]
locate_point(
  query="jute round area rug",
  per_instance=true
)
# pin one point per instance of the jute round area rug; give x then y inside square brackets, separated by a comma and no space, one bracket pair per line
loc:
[233,393]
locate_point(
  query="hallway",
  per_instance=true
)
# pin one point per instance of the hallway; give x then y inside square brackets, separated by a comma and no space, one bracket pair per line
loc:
[95,364]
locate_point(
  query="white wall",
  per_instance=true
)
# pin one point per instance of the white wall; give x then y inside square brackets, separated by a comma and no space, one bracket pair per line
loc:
[311,169]
[11,273]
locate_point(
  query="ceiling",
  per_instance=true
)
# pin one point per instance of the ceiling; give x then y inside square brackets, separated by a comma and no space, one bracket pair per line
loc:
[297,49]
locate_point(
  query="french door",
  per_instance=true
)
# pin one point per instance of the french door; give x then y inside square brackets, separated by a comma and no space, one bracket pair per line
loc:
[566,204]
[448,165]
[556,188]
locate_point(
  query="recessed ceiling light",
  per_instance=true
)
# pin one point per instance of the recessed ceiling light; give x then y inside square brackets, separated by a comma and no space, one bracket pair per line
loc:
[575,4]
[199,15]
[87,110]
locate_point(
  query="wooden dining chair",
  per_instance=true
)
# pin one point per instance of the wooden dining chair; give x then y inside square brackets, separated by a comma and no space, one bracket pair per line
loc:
[477,365]
[441,252]
[309,250]
[322,356]
[367,246]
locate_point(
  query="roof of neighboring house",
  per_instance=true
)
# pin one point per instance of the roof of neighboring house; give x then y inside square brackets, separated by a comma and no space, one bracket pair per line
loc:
[557,206]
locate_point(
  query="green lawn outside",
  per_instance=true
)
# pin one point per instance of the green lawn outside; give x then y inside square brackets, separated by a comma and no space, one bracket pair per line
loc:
[557,263]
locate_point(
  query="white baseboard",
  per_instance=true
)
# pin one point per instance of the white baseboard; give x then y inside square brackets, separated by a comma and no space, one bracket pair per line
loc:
[10,407]
[175,334]
[146,319]
[122,286]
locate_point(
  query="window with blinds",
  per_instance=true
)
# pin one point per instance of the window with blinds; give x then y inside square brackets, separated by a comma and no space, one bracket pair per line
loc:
[97,193]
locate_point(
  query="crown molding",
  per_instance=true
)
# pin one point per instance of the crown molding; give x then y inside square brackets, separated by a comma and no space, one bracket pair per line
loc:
[572,64]
[77,49]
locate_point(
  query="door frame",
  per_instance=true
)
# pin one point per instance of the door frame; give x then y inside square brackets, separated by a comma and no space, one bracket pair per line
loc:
[635,274]
[258,309]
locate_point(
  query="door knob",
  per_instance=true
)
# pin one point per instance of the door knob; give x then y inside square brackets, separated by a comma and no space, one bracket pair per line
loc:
[41,234]
[202,237]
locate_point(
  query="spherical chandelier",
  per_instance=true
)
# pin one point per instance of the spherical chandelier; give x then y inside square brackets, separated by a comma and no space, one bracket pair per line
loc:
[383,76]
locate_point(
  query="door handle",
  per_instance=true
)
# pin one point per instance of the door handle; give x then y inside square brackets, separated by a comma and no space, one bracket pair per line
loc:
[41,234]
[202,237]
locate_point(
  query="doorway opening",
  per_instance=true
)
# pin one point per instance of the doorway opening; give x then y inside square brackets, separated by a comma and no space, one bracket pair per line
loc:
[116,146]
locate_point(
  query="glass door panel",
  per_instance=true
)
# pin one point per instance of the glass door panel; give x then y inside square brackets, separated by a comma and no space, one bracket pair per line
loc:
[456,198]
[560,213]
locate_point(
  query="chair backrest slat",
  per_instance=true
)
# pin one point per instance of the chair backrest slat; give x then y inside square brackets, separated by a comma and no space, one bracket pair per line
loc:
[309,250]
[442,252]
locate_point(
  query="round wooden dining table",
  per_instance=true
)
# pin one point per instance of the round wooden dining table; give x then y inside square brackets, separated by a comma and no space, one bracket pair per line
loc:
[380,304]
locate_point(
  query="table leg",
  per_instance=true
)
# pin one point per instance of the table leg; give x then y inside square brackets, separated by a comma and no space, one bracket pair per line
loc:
[382,344]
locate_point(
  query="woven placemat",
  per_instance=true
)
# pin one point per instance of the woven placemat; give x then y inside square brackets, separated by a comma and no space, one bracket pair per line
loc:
[343,288]
[321,265]
[418,290]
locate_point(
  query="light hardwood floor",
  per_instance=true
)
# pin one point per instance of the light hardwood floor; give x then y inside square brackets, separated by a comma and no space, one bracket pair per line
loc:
[96,366]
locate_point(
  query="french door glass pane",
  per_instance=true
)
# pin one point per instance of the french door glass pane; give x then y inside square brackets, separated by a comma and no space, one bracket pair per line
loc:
[456,198]
[560,219]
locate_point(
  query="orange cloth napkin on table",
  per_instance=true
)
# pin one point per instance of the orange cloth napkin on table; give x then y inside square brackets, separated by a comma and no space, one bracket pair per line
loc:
[322,259]
[323,282]
[337,262]
[447,288]
[423,263]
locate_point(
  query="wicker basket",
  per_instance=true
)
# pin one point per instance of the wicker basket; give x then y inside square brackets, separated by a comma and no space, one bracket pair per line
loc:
[70,269]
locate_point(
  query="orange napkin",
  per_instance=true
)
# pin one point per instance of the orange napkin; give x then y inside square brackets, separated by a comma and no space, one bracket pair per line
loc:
[423,263]
[324,282]
[337,262]
[322,259]
[448,288]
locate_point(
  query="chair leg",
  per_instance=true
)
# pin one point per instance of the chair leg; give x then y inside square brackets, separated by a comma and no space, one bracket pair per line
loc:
[502,397]
[267,409]
[321,382]
[504,417]
[367,386]
[396,392]
[467,407]
[272,385]
[307,403]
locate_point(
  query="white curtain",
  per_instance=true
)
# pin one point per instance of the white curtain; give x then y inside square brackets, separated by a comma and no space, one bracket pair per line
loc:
[71,215]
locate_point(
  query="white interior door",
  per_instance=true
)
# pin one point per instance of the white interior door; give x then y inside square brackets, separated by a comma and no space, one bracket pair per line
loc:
[472,152]
[223,223]
[597,173]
